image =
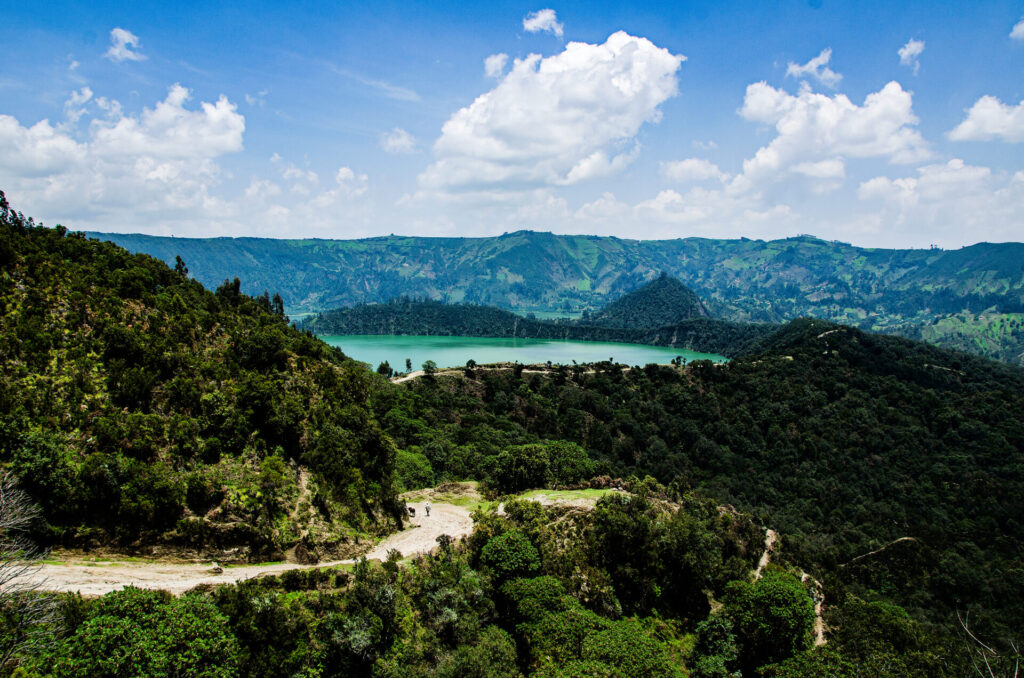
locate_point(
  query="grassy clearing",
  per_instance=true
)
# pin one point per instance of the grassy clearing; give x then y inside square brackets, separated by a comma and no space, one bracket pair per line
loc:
[566,495]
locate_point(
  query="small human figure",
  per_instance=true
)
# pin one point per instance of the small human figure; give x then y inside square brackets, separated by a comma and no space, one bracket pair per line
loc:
[427,509]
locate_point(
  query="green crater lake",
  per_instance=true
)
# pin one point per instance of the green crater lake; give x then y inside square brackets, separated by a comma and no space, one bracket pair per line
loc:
[455,351]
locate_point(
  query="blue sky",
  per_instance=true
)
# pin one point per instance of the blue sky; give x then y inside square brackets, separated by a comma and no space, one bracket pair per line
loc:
[877,123]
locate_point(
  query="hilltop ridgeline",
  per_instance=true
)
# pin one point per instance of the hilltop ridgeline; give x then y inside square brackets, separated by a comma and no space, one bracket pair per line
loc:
[898,291]
[660,313]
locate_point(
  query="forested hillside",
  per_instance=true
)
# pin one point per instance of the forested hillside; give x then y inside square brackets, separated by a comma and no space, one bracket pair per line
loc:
[139,408]
[845,441]
[143,411]
[662,302]
[738,280]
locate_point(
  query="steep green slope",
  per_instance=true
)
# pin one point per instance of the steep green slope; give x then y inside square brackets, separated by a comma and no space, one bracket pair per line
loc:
[662,302]
[138,408]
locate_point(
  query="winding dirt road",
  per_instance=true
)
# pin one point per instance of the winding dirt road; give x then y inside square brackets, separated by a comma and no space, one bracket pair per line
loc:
[98,578]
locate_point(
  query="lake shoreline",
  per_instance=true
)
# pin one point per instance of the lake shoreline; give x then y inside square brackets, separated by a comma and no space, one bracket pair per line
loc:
[454,351]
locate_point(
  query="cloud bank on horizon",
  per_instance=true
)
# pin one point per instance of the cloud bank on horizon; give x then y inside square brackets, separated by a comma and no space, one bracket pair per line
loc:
[569,135]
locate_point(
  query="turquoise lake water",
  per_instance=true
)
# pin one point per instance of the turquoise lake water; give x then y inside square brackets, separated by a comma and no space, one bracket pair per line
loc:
[455,351]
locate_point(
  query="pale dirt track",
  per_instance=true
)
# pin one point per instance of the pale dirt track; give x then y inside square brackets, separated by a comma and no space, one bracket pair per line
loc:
[95,579]
[771,538]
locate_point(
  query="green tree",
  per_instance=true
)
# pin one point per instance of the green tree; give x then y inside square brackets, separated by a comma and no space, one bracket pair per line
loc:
[148,633]
[773,618]
[715,651]
[510,555]
[631,650]
[569,462]
[521,467]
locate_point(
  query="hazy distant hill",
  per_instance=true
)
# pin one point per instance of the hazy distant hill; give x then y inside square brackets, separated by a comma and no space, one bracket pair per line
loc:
[737,279]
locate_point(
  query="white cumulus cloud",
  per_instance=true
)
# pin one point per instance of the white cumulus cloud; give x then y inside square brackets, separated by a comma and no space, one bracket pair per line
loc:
[692,169]
[910,53]
[813,128]
[159,162]
[989,118]
[816,68]
[556,120]
[949,199]
[123,44]
[543,20]
[1018,30]
[494,65]
[74,107]
[398,141]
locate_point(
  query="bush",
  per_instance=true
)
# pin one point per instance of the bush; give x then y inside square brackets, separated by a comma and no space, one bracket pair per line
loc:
[412,471]
[133,632]
[633,652]
[510,555]
[773,618]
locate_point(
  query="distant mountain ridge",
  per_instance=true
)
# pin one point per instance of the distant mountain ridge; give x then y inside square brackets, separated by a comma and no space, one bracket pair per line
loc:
[877,289]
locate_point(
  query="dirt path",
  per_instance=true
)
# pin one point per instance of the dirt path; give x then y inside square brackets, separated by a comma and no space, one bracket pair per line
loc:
[770,538]
[489,368]
[98,578]
[878,550]
[819,600]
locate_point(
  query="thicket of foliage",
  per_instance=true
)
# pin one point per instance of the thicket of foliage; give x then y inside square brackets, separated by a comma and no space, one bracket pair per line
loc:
[842,440]
[137,407]
[626,590]
[425,317]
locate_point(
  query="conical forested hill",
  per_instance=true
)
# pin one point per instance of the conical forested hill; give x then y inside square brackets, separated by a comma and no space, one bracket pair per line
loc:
[139,408]
[662,302]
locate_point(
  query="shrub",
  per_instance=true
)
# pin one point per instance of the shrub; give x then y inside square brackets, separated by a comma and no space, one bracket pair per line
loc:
[412,471]
[510,555]
[773,618]
[133,632]
[632,651]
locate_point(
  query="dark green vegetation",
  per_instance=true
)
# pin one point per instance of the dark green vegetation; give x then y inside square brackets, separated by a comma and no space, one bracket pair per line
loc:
[842,440]
[660,303]
[140,409]
[624,590]
[738,280]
